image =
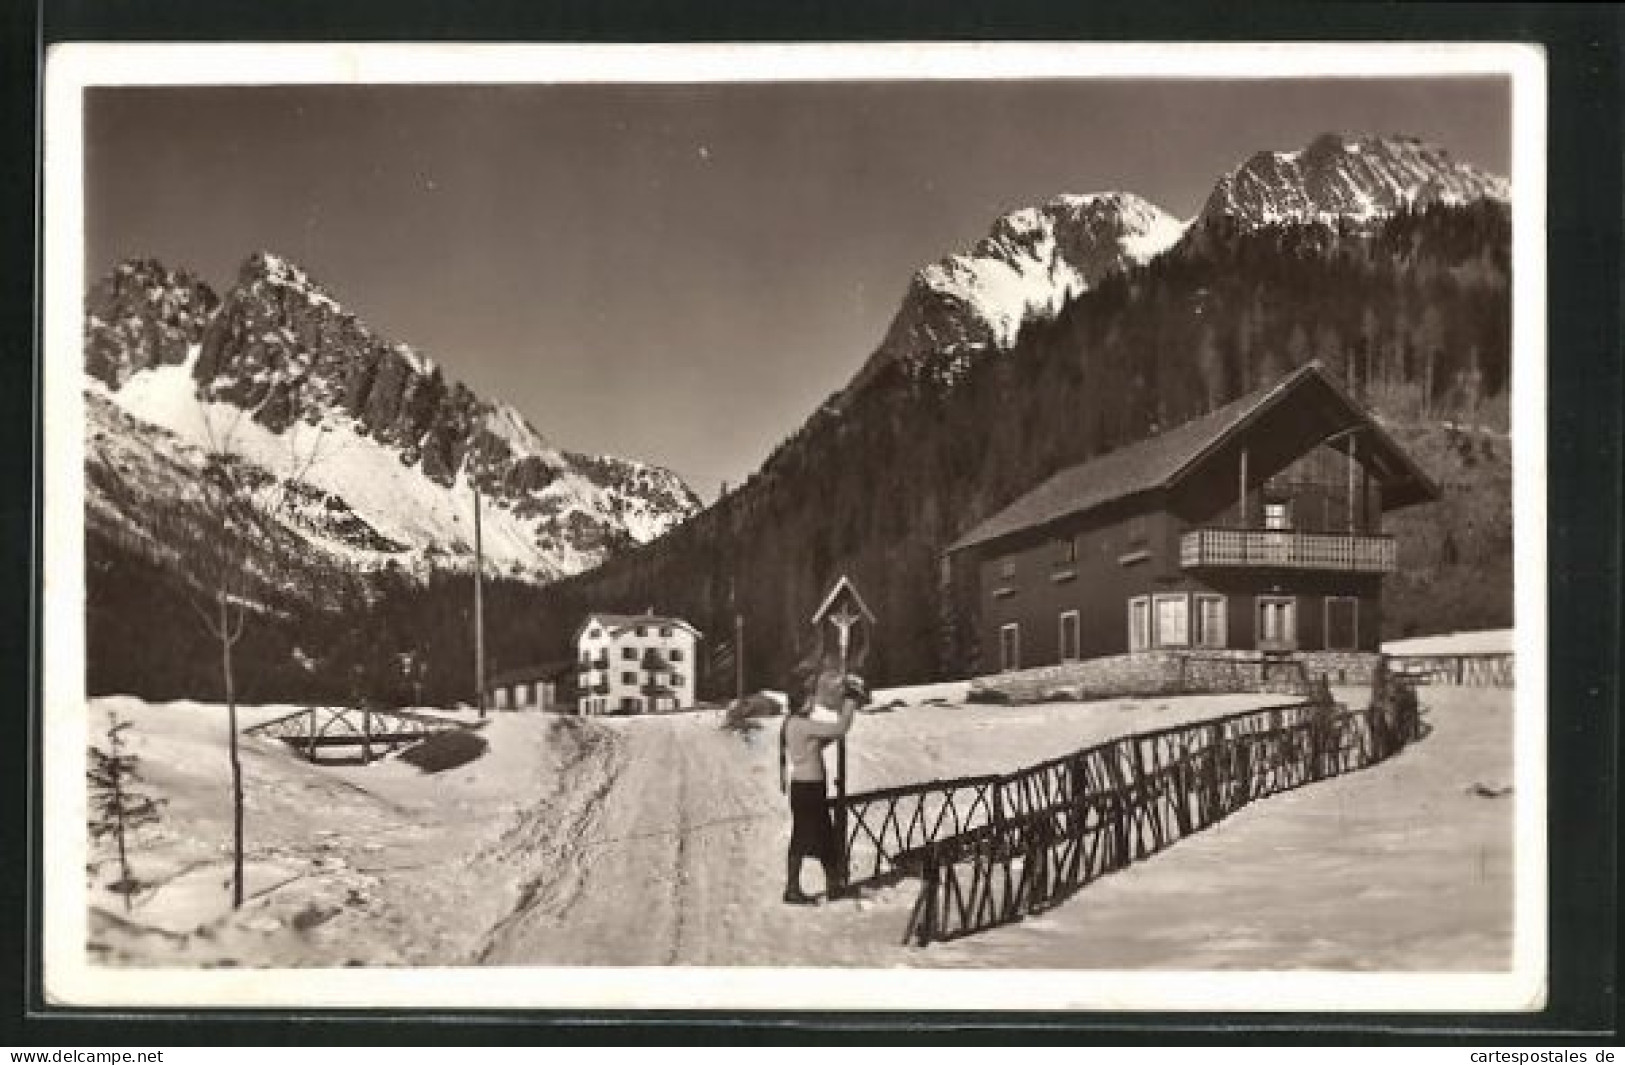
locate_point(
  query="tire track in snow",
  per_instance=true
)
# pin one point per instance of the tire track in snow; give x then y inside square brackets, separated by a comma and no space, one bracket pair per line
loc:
[545,840]
[680,881]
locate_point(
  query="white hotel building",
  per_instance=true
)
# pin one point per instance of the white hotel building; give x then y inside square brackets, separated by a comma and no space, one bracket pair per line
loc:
[635,663]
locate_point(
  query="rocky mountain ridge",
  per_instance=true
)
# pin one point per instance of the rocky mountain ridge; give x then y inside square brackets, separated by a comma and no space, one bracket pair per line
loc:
[277,356]
[1036,259]
[1355,179]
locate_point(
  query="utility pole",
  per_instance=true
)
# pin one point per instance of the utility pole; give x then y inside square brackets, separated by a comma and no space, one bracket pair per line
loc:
[479,608]
[739,656]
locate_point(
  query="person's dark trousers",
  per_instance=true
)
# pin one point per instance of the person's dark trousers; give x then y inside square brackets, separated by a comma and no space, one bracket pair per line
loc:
[811,833]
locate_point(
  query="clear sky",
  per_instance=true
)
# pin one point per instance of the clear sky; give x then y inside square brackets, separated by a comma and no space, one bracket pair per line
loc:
[675,273]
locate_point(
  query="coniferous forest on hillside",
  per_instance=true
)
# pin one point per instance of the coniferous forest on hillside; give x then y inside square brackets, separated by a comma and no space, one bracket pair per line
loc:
[1413,317]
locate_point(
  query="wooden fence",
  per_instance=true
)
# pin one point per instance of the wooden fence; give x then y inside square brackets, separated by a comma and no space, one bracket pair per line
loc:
[990,850]
[883,825]
[1482,670]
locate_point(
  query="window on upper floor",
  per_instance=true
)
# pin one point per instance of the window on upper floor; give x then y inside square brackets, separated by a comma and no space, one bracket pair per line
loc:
[1277,514]
[665,630]
[629,654]
[629,678]
[1007,569]
[676,654]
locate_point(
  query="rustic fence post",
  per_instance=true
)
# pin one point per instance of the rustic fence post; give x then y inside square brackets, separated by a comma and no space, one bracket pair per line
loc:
[310,746]
[931,884]
[366,736]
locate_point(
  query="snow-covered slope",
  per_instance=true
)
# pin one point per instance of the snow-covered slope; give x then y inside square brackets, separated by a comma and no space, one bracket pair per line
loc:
[1031,262]
[1358,179]
[389,450]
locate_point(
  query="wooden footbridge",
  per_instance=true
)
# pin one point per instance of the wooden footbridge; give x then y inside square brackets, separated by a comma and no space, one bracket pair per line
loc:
[370,731]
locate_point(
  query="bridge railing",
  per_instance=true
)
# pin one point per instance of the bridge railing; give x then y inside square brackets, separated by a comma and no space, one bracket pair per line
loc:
[316,728]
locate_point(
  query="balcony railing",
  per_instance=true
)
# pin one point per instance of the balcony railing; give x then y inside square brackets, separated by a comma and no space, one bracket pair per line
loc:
[1285,549]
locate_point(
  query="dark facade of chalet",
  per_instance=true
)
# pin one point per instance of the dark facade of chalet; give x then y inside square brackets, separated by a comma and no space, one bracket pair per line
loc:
[1257,526]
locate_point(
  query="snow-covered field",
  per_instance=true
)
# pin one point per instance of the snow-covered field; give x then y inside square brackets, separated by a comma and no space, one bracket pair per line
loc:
[660,841]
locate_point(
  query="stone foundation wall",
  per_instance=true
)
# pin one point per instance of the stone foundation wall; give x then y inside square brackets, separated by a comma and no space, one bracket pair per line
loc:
[1149,673]
[1341,667]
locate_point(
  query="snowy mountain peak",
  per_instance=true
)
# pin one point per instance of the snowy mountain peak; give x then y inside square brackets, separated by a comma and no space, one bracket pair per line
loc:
[1031,262]
[1340,177]
[279,359]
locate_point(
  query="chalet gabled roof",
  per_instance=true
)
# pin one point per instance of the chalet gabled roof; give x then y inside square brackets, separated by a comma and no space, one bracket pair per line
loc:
[615,623]
[1161,461]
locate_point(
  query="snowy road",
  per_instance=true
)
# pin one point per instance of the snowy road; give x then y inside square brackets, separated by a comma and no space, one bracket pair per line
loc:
[674,857]
[644,870]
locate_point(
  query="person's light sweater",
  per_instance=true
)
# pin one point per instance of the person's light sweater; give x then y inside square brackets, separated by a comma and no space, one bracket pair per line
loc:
[805,739]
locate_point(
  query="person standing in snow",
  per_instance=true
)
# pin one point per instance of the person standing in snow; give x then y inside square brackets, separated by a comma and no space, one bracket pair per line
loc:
[801,757]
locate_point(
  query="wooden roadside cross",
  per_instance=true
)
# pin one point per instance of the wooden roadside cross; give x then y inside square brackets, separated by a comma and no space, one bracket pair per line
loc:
[844,611]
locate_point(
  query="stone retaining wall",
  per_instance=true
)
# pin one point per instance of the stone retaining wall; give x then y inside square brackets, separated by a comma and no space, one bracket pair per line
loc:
[1149,673]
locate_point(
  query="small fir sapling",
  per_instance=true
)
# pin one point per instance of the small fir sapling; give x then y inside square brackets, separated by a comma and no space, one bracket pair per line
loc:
[118,806]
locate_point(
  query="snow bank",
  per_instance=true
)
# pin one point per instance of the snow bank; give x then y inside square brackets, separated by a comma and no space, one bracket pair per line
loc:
[1487,641]
[954,691]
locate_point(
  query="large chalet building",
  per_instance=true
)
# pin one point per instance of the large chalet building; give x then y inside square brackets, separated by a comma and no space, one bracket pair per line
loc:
[1257,527]
[635,663]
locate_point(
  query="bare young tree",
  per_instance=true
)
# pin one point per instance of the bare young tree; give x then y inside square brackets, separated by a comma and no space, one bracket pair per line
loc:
[240,549]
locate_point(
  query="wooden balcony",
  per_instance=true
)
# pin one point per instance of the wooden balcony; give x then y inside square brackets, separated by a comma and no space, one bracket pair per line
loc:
[1286,549]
